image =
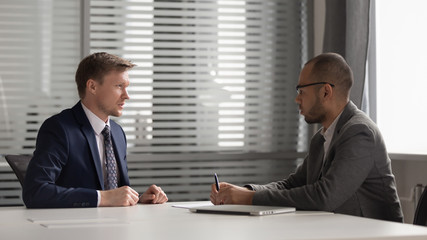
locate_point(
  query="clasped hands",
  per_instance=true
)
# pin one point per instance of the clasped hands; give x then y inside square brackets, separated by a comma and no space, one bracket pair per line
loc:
[126,196]
[231,194]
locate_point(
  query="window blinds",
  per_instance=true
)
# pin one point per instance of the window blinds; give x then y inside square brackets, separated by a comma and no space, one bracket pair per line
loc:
[213,90]
[39,51]
[39,44]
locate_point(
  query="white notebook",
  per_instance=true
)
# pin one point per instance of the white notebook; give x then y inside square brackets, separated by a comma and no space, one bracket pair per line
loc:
[253,210]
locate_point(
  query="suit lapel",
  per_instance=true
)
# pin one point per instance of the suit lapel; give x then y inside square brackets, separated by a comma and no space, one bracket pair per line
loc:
[87,130]
[116,135]
[314,164]
[347,113]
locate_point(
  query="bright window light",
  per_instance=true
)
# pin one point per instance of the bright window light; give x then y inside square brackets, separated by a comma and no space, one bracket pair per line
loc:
[402,74]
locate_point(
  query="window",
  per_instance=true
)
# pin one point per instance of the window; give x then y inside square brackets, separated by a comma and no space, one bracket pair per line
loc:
[401,74]
[39,53]
[40,49]
[213,90]
[214,85]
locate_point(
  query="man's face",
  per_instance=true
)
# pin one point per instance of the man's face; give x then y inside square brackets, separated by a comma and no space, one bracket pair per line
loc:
[308,99]
[111,95]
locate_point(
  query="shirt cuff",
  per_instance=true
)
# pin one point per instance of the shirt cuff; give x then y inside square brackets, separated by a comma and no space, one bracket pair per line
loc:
[99,197]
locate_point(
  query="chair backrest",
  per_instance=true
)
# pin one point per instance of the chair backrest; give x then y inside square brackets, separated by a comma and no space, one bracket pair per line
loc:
[420,217]
[19,164]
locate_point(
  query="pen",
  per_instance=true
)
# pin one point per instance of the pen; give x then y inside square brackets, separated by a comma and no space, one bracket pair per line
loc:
[216,182]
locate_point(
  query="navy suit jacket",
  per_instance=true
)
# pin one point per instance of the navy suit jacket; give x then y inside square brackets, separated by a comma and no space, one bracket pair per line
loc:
[66,170]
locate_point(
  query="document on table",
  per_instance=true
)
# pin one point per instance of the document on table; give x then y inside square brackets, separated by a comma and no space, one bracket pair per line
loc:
[77,223]
[192,204]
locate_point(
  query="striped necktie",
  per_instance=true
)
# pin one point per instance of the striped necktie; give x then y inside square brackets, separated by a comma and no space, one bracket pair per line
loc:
[110,182]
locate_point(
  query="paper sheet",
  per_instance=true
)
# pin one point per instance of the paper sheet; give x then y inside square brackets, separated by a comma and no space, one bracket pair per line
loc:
[191,205]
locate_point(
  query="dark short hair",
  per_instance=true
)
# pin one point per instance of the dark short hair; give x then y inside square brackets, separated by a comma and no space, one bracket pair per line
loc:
[96,66]
[332,68]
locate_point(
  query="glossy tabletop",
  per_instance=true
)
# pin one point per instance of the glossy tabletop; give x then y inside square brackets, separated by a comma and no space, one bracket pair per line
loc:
[168,222]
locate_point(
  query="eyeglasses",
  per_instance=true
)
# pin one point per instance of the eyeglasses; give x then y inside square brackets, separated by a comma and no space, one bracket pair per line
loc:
[311,84]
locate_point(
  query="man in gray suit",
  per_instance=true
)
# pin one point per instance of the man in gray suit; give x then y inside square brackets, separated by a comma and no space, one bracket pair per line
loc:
[347,169]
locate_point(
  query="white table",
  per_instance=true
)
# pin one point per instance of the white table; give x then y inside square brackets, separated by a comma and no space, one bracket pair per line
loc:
[155,222]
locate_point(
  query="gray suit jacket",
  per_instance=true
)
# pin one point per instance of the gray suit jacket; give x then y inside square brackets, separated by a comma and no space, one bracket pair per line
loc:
[356,178]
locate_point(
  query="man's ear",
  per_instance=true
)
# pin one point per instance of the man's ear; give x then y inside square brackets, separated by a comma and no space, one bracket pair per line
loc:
[91,86]
[327,91]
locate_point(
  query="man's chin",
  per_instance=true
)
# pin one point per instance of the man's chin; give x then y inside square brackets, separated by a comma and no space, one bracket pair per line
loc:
[310,120]
[116,114]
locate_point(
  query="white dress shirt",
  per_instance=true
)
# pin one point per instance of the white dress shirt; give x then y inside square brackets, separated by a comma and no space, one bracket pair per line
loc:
[98,125]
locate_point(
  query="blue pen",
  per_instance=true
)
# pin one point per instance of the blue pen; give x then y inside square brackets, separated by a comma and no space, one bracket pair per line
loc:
[216,182]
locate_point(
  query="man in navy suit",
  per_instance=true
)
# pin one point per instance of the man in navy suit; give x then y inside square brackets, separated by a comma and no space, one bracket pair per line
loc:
[69,165]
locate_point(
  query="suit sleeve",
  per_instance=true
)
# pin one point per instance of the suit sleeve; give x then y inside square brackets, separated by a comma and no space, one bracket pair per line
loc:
[350,166]
[297,179]
[52,152]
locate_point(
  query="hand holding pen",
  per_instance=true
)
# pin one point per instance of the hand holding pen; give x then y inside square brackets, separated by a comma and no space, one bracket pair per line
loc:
[225,193]
[216,182]
[215,191]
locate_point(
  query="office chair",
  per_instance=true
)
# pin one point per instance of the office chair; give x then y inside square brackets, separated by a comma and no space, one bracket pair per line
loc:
[19,164]
[420,217]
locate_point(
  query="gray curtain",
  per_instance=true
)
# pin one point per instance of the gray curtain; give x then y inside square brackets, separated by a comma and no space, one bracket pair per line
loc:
[347,33]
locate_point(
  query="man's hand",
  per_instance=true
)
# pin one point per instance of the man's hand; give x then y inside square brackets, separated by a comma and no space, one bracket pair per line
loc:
[154,195]
[231,194]
[119,197]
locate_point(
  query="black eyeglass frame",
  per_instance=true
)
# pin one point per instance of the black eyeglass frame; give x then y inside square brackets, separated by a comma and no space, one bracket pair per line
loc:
[298,87]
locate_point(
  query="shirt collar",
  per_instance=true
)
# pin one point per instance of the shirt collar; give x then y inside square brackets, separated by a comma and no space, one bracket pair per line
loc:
[96,123]
[328,134]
